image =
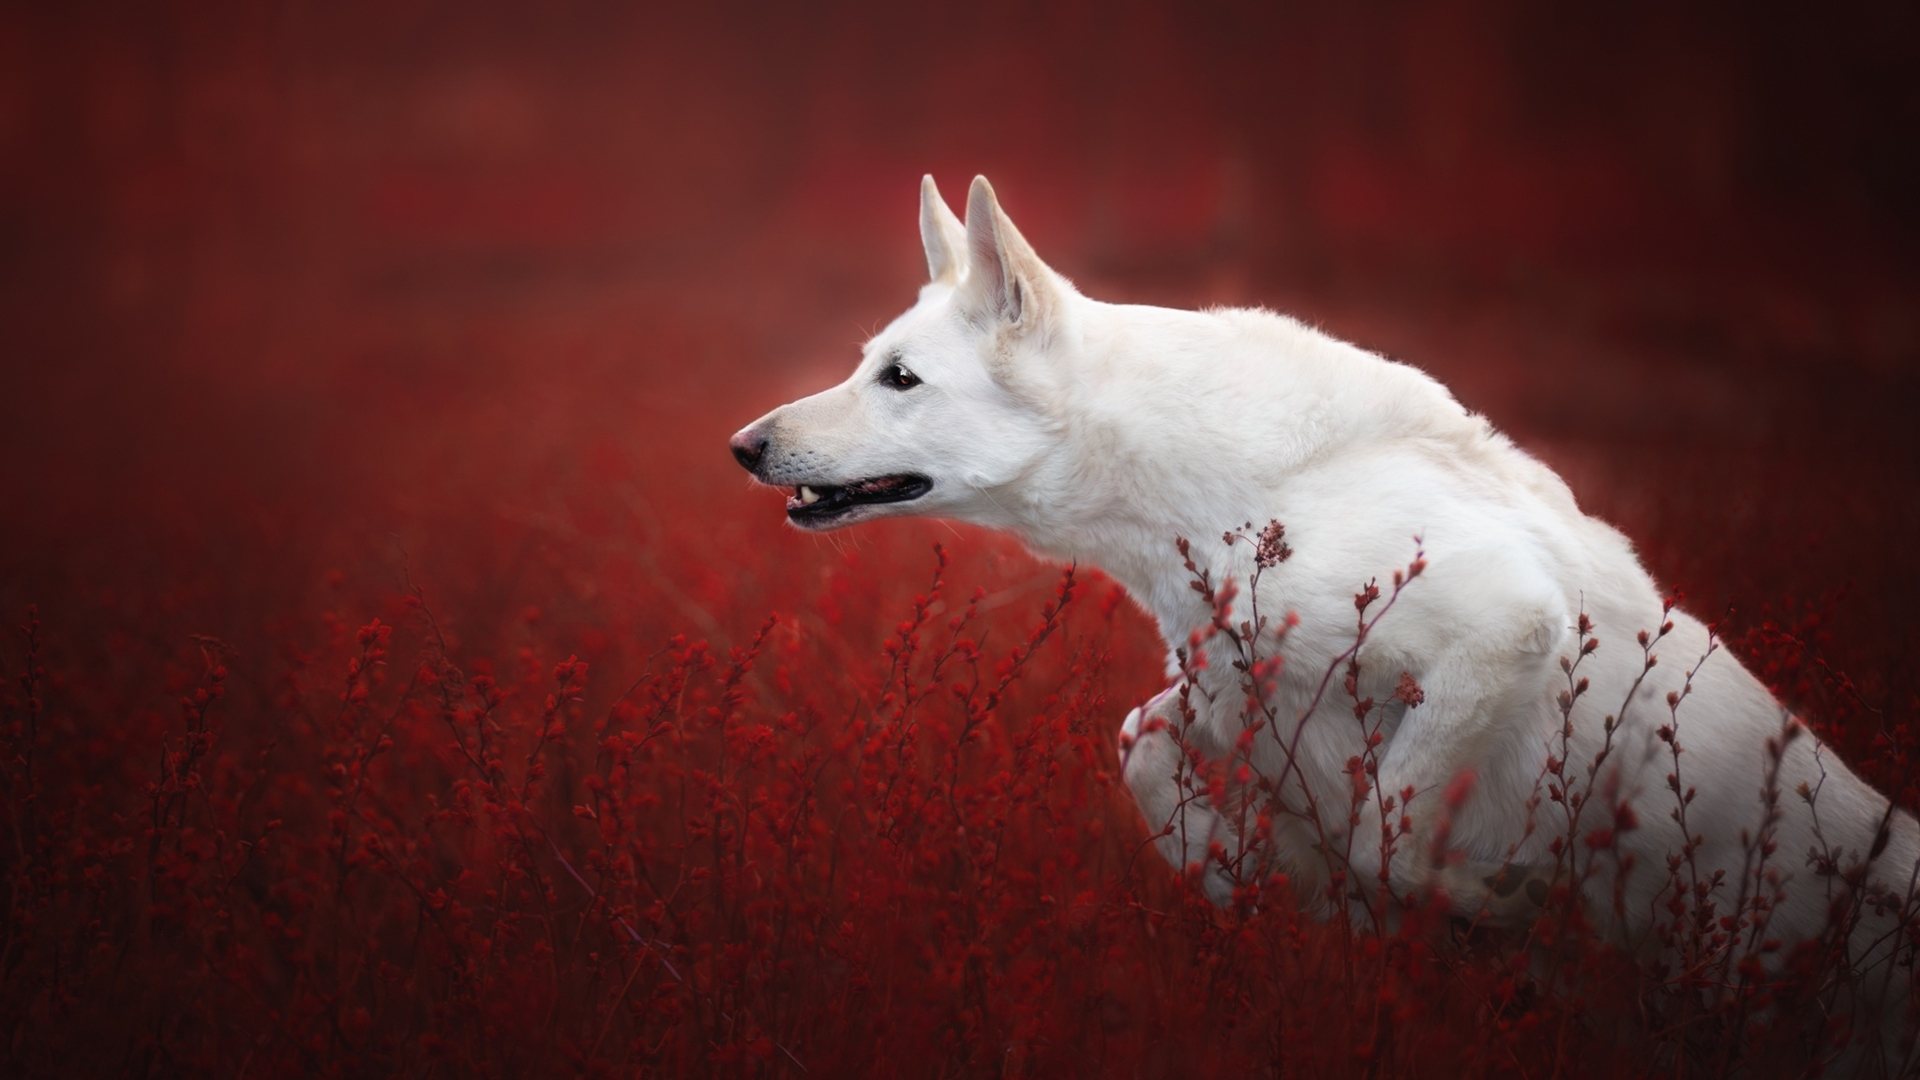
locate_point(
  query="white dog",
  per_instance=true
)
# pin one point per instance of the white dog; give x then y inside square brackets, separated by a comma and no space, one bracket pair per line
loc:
[1101,433]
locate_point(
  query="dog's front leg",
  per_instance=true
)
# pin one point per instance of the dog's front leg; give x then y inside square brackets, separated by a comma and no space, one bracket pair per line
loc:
[1160,772]
[1433,754]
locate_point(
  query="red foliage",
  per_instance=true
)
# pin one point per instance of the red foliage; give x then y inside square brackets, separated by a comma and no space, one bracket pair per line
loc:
[382,850]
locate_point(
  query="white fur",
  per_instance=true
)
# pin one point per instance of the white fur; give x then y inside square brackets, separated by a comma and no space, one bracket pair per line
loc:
[1099,432]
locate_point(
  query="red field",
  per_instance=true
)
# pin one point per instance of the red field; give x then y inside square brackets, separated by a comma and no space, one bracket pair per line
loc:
[403,680]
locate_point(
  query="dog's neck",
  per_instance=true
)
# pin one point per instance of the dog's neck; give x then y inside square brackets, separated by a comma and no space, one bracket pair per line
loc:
[1130,481]
[1136,542]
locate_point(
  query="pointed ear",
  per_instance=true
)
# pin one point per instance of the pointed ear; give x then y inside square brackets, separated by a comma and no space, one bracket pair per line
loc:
[945,238]
[1006,281]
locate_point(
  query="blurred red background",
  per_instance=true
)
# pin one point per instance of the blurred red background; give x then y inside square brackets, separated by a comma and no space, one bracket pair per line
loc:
[301,298]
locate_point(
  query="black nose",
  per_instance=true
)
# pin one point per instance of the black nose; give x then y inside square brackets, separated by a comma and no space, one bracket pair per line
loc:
[748,446]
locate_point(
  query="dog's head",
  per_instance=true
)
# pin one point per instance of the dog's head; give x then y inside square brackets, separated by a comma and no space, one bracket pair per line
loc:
[948,406]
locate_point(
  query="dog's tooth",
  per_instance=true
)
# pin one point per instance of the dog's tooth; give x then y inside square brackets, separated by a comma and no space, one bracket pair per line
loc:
[808,496]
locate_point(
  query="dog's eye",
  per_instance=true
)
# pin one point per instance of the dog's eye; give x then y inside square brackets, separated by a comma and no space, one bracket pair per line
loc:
[896,375]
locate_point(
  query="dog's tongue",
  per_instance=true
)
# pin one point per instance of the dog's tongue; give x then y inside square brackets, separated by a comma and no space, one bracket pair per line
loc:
[877,486]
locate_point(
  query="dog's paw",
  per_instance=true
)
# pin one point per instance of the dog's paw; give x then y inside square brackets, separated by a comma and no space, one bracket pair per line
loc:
[1498,895]
[1157,714]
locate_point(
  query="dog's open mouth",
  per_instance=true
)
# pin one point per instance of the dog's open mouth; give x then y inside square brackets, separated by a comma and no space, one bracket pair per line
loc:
[819,503]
